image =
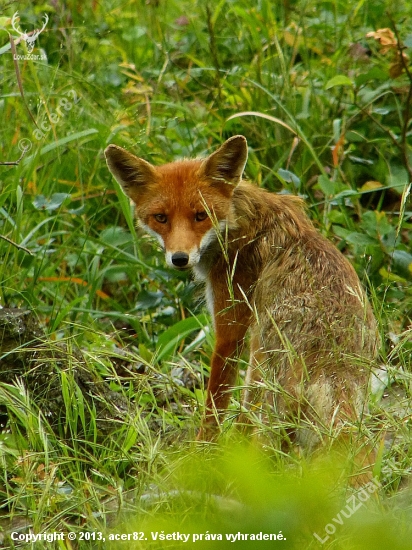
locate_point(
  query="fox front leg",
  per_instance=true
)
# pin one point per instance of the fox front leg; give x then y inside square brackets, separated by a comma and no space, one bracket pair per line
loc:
[229,344]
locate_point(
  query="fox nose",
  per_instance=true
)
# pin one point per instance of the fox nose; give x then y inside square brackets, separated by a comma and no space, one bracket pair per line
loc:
[180,259]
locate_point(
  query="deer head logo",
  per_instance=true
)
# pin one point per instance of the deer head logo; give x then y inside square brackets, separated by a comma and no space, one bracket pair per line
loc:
[29,37]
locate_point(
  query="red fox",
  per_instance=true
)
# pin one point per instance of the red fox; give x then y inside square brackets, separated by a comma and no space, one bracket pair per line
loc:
[267,270]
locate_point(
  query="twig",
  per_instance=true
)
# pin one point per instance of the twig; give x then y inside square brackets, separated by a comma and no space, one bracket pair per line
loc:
[19,246]
[15,162]
[18,76]
[400,47]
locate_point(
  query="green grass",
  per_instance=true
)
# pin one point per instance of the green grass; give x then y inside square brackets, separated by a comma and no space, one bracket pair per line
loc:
[169,79]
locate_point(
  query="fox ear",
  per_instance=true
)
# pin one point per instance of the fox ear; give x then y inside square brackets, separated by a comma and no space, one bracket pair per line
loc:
[228,162]
[132,173]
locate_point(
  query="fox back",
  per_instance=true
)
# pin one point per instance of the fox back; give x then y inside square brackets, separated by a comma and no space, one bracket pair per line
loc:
[267,269]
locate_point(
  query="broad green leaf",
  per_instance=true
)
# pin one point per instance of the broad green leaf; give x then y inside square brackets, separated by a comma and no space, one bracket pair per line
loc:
[5,48]
[373,74]
[53,203]
[115,236]
[397,177]
[290,177]
[360,239]
[171,338]
[327,186]
[335,216]
[339,80]
[402,263]
[147,299]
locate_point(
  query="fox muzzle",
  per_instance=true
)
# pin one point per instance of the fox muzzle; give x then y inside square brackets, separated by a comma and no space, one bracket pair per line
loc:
[180,259]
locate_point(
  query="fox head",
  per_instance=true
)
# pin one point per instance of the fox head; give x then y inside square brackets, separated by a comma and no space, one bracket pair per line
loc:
[184,203]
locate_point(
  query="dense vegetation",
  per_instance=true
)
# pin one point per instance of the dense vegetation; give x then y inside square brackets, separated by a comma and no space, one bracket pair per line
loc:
[323,93]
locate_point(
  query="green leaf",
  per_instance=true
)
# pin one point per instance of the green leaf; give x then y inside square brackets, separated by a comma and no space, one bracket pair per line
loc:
[171,338]
[402,263]
[145,353]
[360,239]
[148,300]
[337,217]
[5,48]
[408,41]
[130,438]
[339,80]
[327,186]
[353,237]
[373,74]
[340,231]
[80,407]
[289,177]
[53,203]
[397,177]
[115,236]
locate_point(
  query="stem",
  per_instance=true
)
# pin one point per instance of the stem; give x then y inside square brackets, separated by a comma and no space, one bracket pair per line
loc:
[15,162]
[407,110]
[213,48]
[17,245]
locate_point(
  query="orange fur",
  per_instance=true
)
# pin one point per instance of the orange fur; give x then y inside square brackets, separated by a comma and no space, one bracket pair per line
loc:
[266,269]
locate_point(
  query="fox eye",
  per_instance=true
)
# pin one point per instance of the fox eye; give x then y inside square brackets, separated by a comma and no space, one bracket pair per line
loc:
[161,218]
[200,216]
